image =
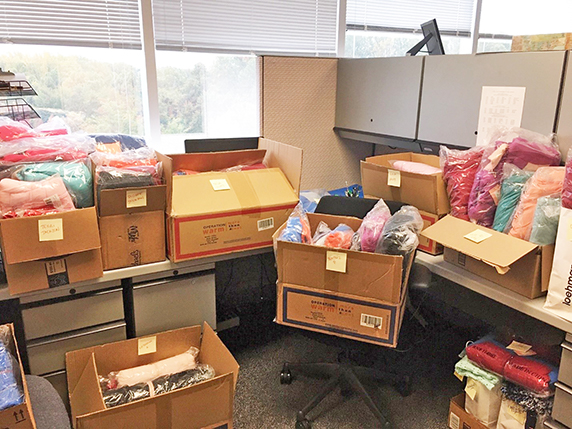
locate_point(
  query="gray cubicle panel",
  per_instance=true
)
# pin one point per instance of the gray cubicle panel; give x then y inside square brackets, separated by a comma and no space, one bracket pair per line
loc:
[452,86]
[379,95]
[564,128]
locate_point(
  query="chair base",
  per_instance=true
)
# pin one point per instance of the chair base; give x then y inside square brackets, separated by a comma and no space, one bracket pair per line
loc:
[348,378]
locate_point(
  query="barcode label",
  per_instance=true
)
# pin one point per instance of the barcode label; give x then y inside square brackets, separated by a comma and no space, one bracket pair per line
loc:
[266,224]
[454,421]
[371,321]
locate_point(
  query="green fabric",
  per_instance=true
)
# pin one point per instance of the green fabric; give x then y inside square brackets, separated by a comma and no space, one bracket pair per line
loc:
[545,223]
[76,176]
[511,189]
[466,368]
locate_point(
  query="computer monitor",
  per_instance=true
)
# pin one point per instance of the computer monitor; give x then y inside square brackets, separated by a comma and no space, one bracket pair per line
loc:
[432,38]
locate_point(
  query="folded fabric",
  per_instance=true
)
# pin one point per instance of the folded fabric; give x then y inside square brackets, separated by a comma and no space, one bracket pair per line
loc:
[488,354]
[114,178]
[511,190]
[68,147]
[527,399]
[256,166]
[297,229]
[466,368]
[340,237]
[414,167]
[11,130]
[17,196]
[76,176]
[545,222]
[372,226]
[567,186]
[125,141]
[144,156]
[546,181]
[532,373]
[10,393]
[459,170]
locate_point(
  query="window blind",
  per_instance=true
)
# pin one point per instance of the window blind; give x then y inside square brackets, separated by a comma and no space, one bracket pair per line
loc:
[95,23]
[454,17]
[261,26]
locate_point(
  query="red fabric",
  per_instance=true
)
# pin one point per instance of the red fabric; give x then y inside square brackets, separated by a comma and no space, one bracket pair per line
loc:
[489,356]
[118,163]
[11,132]
[40,155]
[46,210]
[529,373]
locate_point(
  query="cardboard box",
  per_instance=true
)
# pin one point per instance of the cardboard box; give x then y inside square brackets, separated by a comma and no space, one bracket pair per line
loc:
[357,295]
[41,252]
[459,418]
[132,226]
[426,192]
[217,212]
[515,264]
[19,416]
[204,405]
[426,245]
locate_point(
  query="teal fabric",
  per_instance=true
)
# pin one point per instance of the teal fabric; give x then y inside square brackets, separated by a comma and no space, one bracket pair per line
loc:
[545,223]
[466,368]
[511,189]
[76,176]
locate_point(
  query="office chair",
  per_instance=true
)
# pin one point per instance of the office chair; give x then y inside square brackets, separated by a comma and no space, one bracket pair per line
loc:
[348,377]
[47,406]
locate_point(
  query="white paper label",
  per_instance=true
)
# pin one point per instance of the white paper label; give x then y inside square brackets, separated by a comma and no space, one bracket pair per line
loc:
[478,236]
[454,421]
[516,412]
[370,321]
[147,345]
[521,349]
[264,224]
[56,267]
[136,198]
[220,184]
[459,376]
[569,230]
[501,106]
[51,229]
[336,261]
[394,178]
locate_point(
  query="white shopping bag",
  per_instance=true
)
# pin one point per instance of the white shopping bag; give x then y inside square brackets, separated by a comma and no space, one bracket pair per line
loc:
[559,298]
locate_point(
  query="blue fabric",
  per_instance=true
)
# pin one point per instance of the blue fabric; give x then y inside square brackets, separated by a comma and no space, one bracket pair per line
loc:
[545,223]
[10,394]
[511,190]
[127,142]
[343,191]
[293,230]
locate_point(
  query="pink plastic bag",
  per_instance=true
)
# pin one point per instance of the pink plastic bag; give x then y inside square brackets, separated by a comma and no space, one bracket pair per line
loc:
[372,226]
[414,167]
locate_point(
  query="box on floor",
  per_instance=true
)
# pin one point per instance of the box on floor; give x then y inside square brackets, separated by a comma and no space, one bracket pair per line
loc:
[510,262]
[47,251]
[356,295]
[220,212]
[208,404]
[18,416]
[426,192]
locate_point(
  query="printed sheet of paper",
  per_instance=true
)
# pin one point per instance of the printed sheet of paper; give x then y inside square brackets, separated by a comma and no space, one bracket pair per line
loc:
[500,106]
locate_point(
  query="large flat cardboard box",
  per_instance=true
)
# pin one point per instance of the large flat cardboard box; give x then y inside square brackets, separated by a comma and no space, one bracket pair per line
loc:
[41,252]
[459,418]
[510,262]
[426,192]
[426,245]
[204,405]
[132,226]
[19,416]
[217,212]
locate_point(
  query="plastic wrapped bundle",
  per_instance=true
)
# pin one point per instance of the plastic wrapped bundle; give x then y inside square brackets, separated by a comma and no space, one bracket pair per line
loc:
[322,231]
[489,354]
[567,186]
[122,142]
[10,392]
[414,167]
[459,169]
[340,237]
[527,399]
[545,222]
[372,226]
[113,178]
[12,130]
[546,181]
[297,228]
[400,234]
[143,156]
[466,368]
[164,384]
[531,373]
[513,183]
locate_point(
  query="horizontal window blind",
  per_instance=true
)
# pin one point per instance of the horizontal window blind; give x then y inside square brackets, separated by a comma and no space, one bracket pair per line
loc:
[453,16]
[296,26]
[95,23]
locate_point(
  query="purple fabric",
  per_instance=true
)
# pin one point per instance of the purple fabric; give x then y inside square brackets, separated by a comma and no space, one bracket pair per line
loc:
[567,186]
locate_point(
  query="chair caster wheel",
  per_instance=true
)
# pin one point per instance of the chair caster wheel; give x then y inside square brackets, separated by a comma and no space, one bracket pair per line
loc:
[404,387]
[303,424]
[285,375]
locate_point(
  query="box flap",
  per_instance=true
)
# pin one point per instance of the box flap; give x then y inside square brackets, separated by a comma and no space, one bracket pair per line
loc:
[86,396]
[78,227]
[384,160]
[215,353]
[214,161]
[197,195]
[132,200]
[499,250]
[285,157]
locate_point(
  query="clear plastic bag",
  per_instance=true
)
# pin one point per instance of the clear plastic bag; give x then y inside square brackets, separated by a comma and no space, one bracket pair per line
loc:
[11,392]
[459,170]
[545,222]
[372,226]
[322,230]
[55,126]
[297,228]
[311,198]
[567,186]
[128,177]
[400,234]
[546,181]
[11,130]
[144,156]
[512,186]
[414,167]
[120,142]
[340,237]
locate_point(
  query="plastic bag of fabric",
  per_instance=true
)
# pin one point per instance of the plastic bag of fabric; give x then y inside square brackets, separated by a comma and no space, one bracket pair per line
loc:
[322,231]
[567,185]
[400,235]
[483,403]
[311,198]
[372,226]
[545,222]
[144,156]
[513,416]
[513,183]
[546,181]
[11,393]
[414,167]
[297,228]
[531,373]
[120,142]
[12,130]
[340,237]
[459,170]
[488,354]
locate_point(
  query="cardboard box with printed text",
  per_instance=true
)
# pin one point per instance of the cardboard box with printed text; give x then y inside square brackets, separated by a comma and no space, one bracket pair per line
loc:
[459,418]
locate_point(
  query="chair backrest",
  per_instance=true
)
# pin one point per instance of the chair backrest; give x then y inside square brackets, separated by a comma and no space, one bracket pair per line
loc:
[351,206]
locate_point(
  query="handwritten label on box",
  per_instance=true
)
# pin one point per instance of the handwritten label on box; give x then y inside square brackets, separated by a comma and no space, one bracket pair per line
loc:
[394,178]
[336,261]
[220,184]
[147,345]
[136,198]
[51,229]
[478,236]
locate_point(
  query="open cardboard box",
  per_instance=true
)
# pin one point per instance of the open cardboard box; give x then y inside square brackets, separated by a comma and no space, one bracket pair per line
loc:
[18,416]
[357,295]
[41,252]
[426,192]
[459,418]
[515,264]
[218,212]
[208,404]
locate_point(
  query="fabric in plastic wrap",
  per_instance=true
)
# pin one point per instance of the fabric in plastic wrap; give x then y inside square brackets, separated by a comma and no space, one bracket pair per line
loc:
[124,141]
[513,416]
[311,198]
[459,170]
[567,186]
[488,354]
[297,228]
[414,167]
[322,231]
[161,385]
[465,368]
[545,222]
[68,147]
[12,130]
[526,398]
[513,183]
[11,393]
[532,373]
[372,226]
[340,237]
[144,156]
[546,181]
[483,403]
[400,235]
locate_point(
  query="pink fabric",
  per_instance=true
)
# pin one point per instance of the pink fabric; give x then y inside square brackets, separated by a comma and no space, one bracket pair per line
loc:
[415,167]
[545,181]
[18,196]
[567,186]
